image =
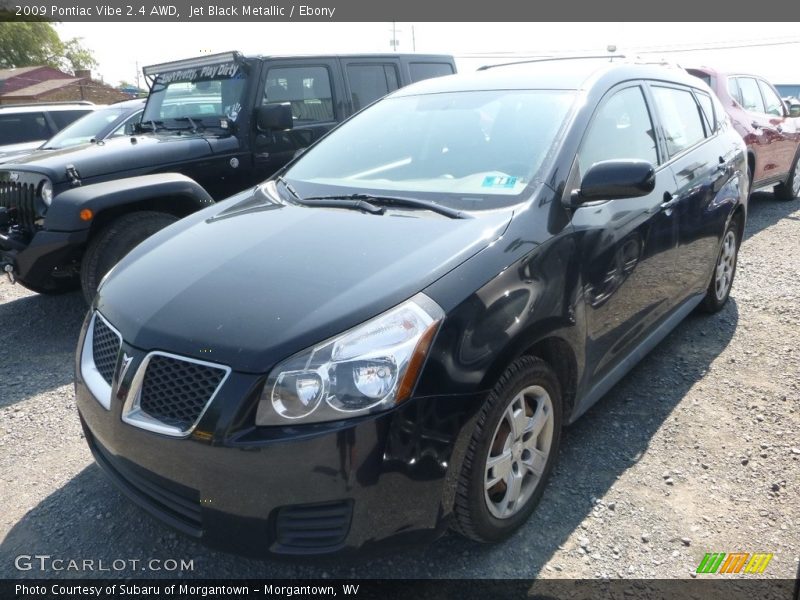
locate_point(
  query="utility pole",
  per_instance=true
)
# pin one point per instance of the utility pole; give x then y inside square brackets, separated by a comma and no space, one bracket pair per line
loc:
[394,42]
[137,75]
[413,40]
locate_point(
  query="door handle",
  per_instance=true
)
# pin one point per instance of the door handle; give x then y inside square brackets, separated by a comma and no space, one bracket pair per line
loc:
[669,201]
[755,125]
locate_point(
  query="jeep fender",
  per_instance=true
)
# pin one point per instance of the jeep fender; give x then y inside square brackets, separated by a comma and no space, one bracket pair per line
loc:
[181,196]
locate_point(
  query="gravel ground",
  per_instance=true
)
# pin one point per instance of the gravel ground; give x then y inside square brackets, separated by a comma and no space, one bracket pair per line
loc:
[696,450]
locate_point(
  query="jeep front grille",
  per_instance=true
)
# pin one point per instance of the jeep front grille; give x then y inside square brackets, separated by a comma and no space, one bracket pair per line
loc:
[170,393]
[20,200]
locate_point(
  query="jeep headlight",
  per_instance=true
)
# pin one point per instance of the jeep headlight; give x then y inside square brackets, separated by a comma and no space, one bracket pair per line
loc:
[367,369]
[46,192]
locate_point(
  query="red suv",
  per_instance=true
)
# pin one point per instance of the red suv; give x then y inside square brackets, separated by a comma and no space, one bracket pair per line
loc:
[761,118]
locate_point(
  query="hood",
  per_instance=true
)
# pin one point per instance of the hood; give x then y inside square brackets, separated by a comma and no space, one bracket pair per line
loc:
[15,151]
[114,156]
[251,289]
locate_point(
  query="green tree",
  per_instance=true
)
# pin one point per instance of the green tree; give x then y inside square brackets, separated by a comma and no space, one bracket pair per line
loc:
[28,44]
[24,44]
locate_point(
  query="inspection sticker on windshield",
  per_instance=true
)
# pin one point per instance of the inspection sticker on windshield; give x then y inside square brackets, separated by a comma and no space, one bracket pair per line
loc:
[493,181]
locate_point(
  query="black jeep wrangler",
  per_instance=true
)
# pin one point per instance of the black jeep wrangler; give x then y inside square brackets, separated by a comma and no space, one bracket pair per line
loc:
[212,126]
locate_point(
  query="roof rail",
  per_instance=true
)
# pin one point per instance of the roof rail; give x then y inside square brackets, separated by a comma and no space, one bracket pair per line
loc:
[21,104]
[550,58]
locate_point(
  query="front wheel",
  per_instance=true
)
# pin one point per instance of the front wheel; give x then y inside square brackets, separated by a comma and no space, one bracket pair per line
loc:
[511,453]
[114,241]
[722,279]
[790,189]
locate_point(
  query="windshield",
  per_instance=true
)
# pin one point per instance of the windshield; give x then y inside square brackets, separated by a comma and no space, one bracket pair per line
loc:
[471,150]
[86,128]
[214,91]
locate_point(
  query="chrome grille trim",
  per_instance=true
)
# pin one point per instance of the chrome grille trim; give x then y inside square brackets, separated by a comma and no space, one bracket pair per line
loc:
[133,414]
[98,386]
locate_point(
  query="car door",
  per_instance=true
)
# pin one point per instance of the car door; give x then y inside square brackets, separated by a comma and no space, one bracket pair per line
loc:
[627,246]
[787,137]
[312,91]
[771,163]
[702,164]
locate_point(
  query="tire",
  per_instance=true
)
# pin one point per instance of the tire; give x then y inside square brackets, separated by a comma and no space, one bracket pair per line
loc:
[114,241]
[528,383]
[790,189]
[719,288]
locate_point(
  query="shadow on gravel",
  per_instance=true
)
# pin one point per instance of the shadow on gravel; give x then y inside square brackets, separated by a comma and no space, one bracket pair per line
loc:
[38,335]
[765,210]
[88,518]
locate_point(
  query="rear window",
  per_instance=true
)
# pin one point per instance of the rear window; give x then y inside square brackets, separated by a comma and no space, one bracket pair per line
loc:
[370,82]
[420,70]
[23,127]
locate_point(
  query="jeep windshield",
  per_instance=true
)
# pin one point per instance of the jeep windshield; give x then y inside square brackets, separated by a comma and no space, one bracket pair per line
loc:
[195,98]
[468,150]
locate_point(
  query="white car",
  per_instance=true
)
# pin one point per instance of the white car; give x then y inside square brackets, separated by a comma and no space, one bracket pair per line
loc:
[25,127]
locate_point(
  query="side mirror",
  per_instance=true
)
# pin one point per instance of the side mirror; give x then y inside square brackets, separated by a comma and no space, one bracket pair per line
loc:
[794,110]
[271,117]
[615,179]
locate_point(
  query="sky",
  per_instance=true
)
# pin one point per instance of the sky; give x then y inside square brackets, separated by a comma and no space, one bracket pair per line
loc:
[768,49]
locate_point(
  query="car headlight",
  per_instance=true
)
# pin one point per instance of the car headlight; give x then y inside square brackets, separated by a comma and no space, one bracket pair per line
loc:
[46,192]
[367,369]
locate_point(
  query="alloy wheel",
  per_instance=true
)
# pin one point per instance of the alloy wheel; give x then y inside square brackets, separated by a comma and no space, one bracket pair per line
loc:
[725,265]
[519,451]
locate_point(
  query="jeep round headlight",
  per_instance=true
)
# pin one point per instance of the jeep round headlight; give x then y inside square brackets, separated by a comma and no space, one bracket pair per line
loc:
[46,192]
[367,369]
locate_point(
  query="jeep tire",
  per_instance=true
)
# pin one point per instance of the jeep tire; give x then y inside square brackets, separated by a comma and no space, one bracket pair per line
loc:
[114,241]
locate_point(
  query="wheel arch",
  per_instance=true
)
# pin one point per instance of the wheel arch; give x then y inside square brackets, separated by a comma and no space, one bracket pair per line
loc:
[166,192]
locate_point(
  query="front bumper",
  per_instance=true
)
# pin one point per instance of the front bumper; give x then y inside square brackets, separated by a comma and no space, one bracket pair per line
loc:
[377,481]
[47,252]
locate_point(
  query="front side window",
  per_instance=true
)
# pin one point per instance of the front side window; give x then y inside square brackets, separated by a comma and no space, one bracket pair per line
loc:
[680,118]
[620,129]
[23,127]
[733,89]
[212,92]
[469,150]
[751,96]
[370,82]
[773,105]
[306,89]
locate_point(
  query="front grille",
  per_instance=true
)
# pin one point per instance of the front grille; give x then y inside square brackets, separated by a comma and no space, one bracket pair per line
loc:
[178,505]
[175,391]
[313,525]
[105,348]
[20,200]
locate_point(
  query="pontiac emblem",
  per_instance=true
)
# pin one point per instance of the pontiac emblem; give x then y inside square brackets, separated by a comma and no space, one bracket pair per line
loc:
[126,363]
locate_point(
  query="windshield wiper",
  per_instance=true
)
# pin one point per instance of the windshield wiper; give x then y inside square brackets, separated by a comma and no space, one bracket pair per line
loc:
[406,202]
[153,124]
[191,122]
